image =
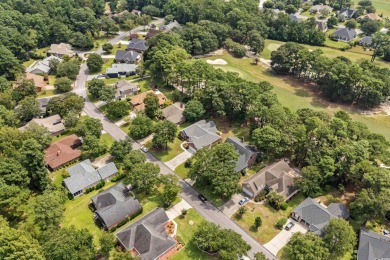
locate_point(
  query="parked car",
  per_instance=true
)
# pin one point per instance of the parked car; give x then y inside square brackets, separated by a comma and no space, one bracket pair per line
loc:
[144,149]
[202,198]
[289,226]
[243,201]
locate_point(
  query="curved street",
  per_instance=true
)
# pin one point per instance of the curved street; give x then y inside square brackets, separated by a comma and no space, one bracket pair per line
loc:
[207,210]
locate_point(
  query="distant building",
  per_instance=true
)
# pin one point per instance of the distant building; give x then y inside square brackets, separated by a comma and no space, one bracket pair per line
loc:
[170,26]
[124,89]
[114,205]
[201,134]
[373,246]
[137,45]
[316,216]
[137,101]
[347,12]
[131,57]
[147,237]
[174,113]
[62,152]
[247,154]
[53,123]
[366,41]
[42,67]
[321,26]
[39,81]
[278,177]
[83,175]
[370,16]
[43,102]
[121,69]
[151,33]
[319,8]
[60,50]
[344,34]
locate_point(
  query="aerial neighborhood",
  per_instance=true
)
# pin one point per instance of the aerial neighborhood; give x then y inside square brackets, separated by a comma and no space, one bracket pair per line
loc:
[195,129]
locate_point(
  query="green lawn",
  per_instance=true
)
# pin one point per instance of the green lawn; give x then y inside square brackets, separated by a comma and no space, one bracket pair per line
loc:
[382,7]
[269,217]
[185,231]
[106,140]
[174,149]
[28,63]
[111,81]
[182,171]
[47,93]
[294,94]
[100,40]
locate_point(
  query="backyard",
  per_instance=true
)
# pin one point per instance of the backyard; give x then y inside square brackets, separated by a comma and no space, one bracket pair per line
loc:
[294,94]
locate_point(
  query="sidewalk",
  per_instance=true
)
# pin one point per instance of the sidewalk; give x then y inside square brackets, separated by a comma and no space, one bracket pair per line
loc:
[175,211]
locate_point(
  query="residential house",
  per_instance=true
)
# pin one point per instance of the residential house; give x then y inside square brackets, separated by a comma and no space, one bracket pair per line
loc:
[151,33]
[43,104]
[42,67]
[39,81]
[170,26]
[316,216]
[247,154]
[321,26]
[370,16]
[278,177]
[344,34]
[294,17]
[131,57]
[62,152]
[121,69]
[347,12]
[147,237]
[373,246]
[60,50]
[83,176]
[201,134]
[319,8]
[53,123]
[137,101]
[365,41]
[174,113]
[114,205]
[137,45]
[123,89]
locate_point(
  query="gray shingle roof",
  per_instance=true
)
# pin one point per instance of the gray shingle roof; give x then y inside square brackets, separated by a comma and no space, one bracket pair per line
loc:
[345,34]
[137,45]
[114,204]
[347,12]
[122,68]
[366,40]
[201,134]
[244,151]
[170,26]
[107,170]
[43,103]
[318,216]
[373,246]
[126,56]
[42,66]
[174,113]
[147,235]
[52,123]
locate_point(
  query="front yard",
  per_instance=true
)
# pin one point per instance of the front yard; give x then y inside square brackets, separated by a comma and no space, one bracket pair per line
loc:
[269,217]
[173,150]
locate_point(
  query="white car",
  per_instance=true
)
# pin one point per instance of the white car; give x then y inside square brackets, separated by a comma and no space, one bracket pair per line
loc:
[243,201]
[144,149]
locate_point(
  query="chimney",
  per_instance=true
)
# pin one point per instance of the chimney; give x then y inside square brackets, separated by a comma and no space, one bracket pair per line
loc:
[58,152]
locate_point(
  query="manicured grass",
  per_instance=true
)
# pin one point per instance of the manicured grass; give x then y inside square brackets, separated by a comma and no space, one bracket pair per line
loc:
[295,95]
[185,231]
[269,217]
[382,7]
[111,81]
[106,140]
[28,63]
[100,40]
[335,44]
[182,171]
[107,63]
[47,93]
[174,149]
[125,128]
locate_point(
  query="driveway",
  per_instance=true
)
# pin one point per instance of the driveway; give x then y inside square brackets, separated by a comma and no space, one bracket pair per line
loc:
[281,239]
[175,211]
[230,207]
[179,159]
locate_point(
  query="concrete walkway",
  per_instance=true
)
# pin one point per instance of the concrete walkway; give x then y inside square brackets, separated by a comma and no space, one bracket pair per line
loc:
[181,158]
[175,211]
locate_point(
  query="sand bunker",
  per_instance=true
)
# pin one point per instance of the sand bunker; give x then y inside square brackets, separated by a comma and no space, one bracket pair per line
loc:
[217,62]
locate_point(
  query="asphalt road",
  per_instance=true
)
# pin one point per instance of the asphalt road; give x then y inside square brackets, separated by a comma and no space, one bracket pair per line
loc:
[207,210]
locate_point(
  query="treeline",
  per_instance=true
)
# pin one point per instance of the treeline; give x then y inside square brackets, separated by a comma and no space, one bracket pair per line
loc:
[333,151]
[339,79]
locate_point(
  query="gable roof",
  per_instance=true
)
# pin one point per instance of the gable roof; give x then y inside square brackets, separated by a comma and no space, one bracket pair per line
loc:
[137,101]
[345,33]
[61,152]
[370,16]
[244,151]
[39,81]
[168,27]
[43,103]
[52,123]
[83,175]
[366,40]
[124,87]
[126,56]
[43,65]
[148,235]
[279,176]
[138,45]
[61,49]
[121,68]
[316,215]
[321,25]
[373,246]
[151,33]
[201,134]
[174,113]
[348,12]
[115,204]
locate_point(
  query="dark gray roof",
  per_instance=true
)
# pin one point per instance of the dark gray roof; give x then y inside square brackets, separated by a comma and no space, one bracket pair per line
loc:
[123,87]
[122,68]
[373,246]
[347,12]
[174,113]
[148,235]
[43,65]
[43,103]
[318,216]
[339,210]
[127,56]
[345,34]
[366,40]
[138,45]
[244,151]
[202,133]
[115,204]
[170,26]
[83,175]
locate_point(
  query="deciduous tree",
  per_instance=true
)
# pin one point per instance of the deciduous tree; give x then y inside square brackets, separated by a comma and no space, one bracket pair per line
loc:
[165,132]
[306,247]
[94,62]
[339,237]
[194,110]
[120,149]
[63,84]
[140,127]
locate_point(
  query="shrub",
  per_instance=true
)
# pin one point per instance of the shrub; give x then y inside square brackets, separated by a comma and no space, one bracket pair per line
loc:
[100,185]
[280,223]
[261,196]
[188,163]
[284,206]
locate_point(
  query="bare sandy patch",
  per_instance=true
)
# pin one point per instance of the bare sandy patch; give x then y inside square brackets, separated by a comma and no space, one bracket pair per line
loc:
[217,62]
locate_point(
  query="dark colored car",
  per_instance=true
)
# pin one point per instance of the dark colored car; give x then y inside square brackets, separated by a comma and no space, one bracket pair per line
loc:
[289,226]
[202,198]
